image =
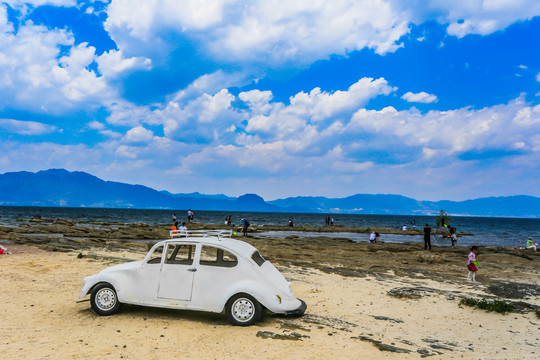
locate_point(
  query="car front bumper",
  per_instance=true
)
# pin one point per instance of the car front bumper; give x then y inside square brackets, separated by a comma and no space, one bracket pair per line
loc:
[299,311]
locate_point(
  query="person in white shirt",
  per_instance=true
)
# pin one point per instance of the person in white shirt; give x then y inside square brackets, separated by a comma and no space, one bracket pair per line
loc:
[183,229]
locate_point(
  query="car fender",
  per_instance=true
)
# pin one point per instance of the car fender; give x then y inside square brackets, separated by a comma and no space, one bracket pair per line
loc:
[91,281]
[261,293]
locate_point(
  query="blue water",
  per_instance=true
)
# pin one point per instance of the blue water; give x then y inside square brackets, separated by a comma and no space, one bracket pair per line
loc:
[487,231]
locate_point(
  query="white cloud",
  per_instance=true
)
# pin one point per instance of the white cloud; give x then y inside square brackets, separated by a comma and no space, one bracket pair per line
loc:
[96,125]
[482,17]
[456,131]
[275,30]
[538,77]
[281,33]
[139,135]
[31,68]
[26,127]
[113,63]
[308,110]
[421,97]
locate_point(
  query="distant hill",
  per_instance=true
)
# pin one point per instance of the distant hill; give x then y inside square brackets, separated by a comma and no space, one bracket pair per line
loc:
[58,187]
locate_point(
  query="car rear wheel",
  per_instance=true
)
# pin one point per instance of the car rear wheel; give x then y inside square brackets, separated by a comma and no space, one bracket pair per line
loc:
[104,300]
[243,310]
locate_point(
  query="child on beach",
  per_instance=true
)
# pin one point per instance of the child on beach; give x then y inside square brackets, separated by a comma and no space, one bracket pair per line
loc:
[4,251]
[531,244]
[453,238]
[471,264]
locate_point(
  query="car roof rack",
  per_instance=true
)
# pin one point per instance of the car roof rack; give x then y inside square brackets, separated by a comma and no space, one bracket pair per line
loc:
[219,234]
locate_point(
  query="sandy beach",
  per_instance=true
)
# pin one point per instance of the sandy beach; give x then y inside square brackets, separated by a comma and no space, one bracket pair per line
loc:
[364,301]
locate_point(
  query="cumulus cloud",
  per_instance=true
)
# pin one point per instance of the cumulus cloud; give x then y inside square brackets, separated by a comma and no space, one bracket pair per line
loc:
[35,77]
[138,135]
[456,131]
[112,63]
[26,127]
[483,16]
[275,30]
[281,32]
[421,97]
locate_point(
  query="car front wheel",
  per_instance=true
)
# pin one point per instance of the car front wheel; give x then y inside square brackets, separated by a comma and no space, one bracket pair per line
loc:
[104,300]
[243,310]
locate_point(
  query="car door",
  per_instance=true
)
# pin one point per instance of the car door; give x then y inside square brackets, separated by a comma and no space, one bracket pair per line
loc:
[177,272]
[217,269]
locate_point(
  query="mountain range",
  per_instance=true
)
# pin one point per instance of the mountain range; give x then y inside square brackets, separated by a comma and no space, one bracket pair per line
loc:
[59,187]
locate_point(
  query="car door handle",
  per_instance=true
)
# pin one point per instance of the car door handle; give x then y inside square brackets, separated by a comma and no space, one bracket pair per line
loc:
[192,269]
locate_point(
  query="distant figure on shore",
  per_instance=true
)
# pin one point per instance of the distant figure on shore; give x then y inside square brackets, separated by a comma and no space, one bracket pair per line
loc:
[173,217]
[245,225]
[183,229]
[327,220]
[471,264]
[234,229]
[413,223]
[531,244]
[331,221]
[190,215]
[372,237]
[377,237]
[404,228]
[427,237]
[228,220]
[453,236]
[291,224]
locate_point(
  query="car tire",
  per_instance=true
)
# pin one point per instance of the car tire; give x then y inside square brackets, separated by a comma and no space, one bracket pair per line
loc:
[243,310]
[104,300]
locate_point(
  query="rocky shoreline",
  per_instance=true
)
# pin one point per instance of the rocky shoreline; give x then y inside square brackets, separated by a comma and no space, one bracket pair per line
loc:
[328,254]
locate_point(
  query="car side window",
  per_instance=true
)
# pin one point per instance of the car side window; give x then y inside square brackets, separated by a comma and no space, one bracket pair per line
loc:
[182,254]
[155,258]
[259,260]
[212,256]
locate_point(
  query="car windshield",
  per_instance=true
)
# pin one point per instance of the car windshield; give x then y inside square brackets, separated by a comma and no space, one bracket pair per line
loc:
[259,260]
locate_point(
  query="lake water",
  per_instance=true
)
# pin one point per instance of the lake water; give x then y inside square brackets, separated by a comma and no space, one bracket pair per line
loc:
[487,231]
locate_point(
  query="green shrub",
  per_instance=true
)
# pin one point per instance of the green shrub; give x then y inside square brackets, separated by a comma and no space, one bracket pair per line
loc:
[499,306]
[537,312]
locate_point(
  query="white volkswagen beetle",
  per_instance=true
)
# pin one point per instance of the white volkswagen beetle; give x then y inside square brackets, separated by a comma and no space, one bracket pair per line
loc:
[205,271]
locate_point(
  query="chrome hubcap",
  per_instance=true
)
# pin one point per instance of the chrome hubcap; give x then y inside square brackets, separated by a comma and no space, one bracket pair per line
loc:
[243,309]
[105,299]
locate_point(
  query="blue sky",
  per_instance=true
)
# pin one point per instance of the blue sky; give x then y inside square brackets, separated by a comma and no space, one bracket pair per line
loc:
[427,99]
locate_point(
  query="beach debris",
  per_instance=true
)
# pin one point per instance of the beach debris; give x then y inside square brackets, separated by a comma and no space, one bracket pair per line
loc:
[385,318]
[272,335]
[290,325]
[427,352]
[441,345]
[382,346]
[333,323]
[409,292]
